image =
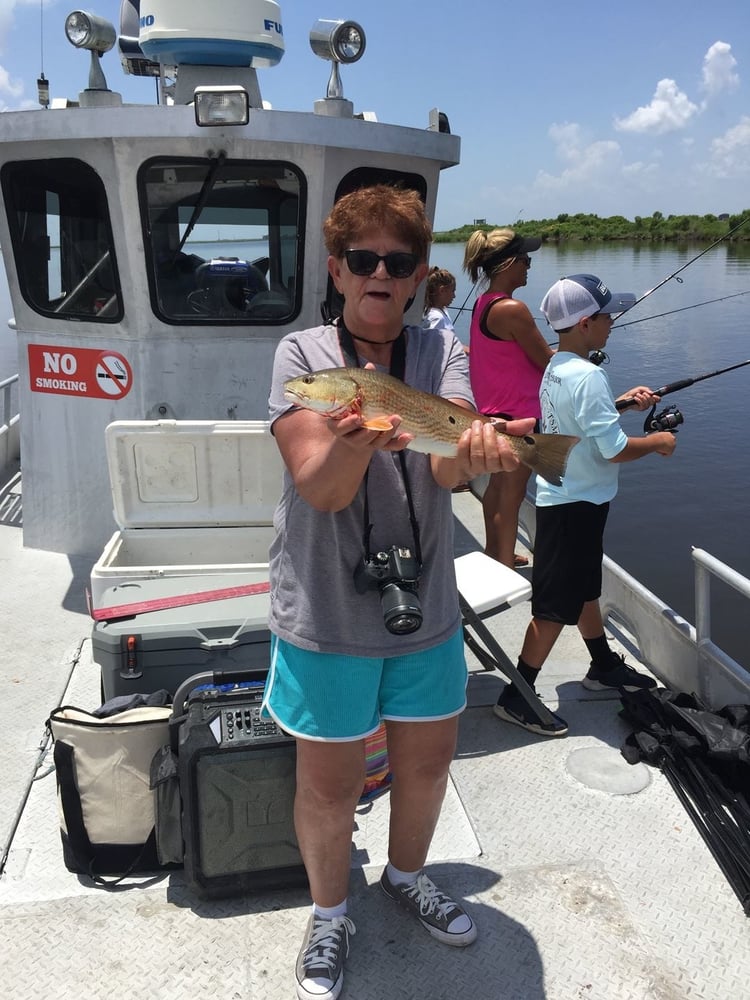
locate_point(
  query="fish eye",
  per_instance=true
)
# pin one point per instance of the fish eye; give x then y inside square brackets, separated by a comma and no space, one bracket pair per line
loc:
[308,379]
[451,419]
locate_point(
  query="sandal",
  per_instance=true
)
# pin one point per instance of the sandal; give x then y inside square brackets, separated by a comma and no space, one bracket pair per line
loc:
[520,560]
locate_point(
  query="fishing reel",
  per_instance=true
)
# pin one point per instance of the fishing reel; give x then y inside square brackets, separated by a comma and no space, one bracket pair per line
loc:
[668,419]
[599,358]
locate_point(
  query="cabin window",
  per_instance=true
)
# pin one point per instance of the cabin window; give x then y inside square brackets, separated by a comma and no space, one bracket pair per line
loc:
[62,239]
[223,240]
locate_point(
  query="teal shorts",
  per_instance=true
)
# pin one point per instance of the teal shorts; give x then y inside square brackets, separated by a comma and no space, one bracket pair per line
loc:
[329,696]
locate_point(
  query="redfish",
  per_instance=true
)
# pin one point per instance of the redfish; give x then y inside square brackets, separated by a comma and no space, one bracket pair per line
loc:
[435,423]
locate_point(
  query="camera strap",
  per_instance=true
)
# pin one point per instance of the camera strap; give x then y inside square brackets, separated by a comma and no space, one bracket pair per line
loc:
[397,370]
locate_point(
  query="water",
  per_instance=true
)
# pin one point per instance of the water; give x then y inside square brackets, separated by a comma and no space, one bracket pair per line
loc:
[699,496]
[664,506]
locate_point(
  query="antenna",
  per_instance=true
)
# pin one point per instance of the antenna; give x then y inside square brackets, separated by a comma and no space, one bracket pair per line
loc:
[42,84]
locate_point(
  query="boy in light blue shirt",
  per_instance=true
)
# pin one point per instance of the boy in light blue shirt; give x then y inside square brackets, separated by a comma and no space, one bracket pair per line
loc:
[567,575]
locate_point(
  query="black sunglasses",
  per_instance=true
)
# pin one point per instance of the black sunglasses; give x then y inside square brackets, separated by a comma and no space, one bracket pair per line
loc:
[398,263]
[524,260]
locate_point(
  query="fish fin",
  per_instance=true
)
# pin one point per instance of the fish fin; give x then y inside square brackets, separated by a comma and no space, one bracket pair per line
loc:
[424,446]
[550,456]
[378,424]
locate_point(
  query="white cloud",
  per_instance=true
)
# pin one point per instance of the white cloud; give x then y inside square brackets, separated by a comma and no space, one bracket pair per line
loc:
[7,10]
[13,88]
[568,138]
[8,86]
[639,170]
[670,109]
[730,153]
[587,161]
[719,69]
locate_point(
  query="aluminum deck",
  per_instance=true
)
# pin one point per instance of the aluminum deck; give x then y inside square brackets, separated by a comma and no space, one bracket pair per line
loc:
[582,885]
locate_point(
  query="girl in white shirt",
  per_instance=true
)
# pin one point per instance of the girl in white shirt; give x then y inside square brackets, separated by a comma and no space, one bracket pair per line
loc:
[440,291]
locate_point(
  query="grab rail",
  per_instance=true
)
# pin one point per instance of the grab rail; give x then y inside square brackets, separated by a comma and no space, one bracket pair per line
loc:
[9,422]
[5,387]
[716,668]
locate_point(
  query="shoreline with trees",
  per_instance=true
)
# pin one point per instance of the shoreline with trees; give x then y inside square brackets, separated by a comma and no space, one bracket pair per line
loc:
[582,228]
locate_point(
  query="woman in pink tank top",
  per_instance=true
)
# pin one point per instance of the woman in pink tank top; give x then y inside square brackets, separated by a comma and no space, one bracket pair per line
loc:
[507,357]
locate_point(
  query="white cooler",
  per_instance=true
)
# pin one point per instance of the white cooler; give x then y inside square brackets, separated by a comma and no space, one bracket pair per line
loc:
[191,498]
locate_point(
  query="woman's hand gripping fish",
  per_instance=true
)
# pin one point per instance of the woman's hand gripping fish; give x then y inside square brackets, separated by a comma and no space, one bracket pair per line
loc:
[435,423]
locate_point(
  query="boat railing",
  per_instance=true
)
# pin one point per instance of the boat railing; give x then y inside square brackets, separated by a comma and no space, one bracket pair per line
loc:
[685,657]
[716,668]
[10,430]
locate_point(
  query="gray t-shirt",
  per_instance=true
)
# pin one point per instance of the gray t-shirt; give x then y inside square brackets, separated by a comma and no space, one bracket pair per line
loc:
[314,604]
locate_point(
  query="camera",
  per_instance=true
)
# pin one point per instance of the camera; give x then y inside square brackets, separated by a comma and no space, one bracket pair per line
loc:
[395,574]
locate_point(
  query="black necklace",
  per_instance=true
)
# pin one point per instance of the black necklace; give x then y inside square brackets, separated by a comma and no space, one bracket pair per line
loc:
[375,343]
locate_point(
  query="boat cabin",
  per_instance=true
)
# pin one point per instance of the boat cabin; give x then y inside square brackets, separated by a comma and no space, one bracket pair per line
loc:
[157,253]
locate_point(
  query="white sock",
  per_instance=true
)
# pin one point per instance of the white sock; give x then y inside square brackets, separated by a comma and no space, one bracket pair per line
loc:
[397,877]
[329,912]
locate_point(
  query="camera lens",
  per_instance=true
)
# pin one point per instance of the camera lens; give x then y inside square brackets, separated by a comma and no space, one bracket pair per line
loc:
[402,612]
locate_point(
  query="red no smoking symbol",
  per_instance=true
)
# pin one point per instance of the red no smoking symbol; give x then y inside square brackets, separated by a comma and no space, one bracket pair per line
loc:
[113,374]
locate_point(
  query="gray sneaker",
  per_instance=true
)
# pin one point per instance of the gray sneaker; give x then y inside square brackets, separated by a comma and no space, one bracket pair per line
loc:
[320,963]
[438,913]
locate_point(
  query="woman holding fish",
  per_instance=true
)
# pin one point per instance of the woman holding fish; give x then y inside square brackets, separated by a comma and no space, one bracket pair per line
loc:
[508,357]
[359,519]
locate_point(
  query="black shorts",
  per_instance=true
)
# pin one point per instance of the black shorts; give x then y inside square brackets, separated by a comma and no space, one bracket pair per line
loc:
[568,552]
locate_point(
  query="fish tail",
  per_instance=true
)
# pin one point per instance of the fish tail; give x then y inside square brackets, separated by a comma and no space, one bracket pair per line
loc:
[550,457]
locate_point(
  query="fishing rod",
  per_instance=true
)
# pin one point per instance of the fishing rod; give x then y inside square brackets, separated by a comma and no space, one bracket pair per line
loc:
[599,357]
[462,308]
[623,404]
[671,312]
[692,260]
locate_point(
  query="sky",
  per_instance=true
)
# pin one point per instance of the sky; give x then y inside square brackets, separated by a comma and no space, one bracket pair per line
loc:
[587,106]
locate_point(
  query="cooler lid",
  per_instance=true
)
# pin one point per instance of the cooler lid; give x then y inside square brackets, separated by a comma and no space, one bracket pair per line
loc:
[180,473]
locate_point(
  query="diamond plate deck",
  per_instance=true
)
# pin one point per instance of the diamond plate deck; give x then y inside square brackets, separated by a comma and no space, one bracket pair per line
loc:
[579,892]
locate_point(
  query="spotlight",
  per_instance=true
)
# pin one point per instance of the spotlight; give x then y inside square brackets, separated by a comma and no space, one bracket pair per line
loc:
[87,31]
[338,42]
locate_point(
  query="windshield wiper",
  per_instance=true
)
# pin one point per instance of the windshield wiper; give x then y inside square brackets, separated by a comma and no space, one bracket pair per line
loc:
[208,184]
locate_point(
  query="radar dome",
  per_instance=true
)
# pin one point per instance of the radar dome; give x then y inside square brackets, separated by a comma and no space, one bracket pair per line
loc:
[199,33]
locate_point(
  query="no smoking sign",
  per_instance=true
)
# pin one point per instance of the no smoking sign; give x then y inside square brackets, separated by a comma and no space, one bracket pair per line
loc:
[79,371]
